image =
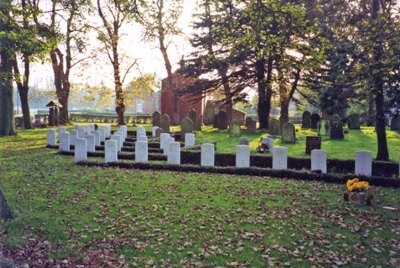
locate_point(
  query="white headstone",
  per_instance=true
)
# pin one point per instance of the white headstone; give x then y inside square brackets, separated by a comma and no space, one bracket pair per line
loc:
[87,129]
[97,140]
[207,155]
[102,135]
[189,139]
[141,152]
[61,130]
[279,158]
[51,137]
[318,160]
[242,156]
[164,137]
[121,134]
[153,131]
[108,130]
[111,150]
[81,133]
[140,129]
[363,164]
[119,141]
[73,135]
[80,150]
[142,138]
[92,128]
[64,142]
[174,153]
[167,147]
[91,143]
[76,127]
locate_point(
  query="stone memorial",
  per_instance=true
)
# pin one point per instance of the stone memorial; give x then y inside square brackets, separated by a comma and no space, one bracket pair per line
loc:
[251,125]
[274,127]
[159,131]
[91,143]
[244,141]
[279,158]
[141,152]
[234,129]
[242,156]
[64,142]
[102,135]
[167,143]
[142,138]
[192,114]
[174,153]
[97,139]
[92,128]
[313,143]
[111,150]
[81,133]
[124,130]
[324,128]
[119,132]
[395,123]
[306,120]
[62,130]
[186,126]
[222,120]
[153,131]
[314,121]
[164,138]
[118,139]
[156,119]
[80,153]
[189,139]
[51,137]
[73,135]
[215,121]
[207,155]
[353,121]
[336,130]
[165,123]
[288,133]
[363,164]
[318,161]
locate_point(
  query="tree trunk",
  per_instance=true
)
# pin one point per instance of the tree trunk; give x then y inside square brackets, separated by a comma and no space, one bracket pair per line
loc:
[7,122]
[5,211]
[380,126]
[371,102]
[61,83]
[262,94]
[119,94]
[23,94]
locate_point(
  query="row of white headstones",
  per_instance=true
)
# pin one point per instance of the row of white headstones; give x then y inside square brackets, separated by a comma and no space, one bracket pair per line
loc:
[86,138]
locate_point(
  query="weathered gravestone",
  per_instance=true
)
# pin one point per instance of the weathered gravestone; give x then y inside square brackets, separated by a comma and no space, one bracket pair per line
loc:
[156,119]
[209,113]
[186,126]
[165,123]
[222,120]
[306,120]
[312,143]
[159,131]
[243,141]
[288,133]
[215,121]
[395,123]
[192,114]
[324,128]
[336,130]
[207,155]
[251,125]
[353,121]
[234,129]
[314,121]
[274,127]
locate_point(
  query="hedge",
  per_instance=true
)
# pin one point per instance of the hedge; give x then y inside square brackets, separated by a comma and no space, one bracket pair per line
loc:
[253,171]
[379,168]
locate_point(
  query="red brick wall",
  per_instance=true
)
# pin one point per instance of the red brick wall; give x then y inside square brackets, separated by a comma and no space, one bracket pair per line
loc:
[185,102]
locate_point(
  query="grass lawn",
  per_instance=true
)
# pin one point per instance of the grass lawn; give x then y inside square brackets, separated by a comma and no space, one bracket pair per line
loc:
[71,215]
[364,139]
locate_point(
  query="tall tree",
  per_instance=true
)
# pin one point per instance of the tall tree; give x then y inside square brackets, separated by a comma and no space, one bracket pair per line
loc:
[63,56]
[7,123]
[114,14]
[160,22]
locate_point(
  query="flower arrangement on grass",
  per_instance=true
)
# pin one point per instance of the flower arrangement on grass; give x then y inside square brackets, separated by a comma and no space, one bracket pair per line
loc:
[263,148]
[358,192]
